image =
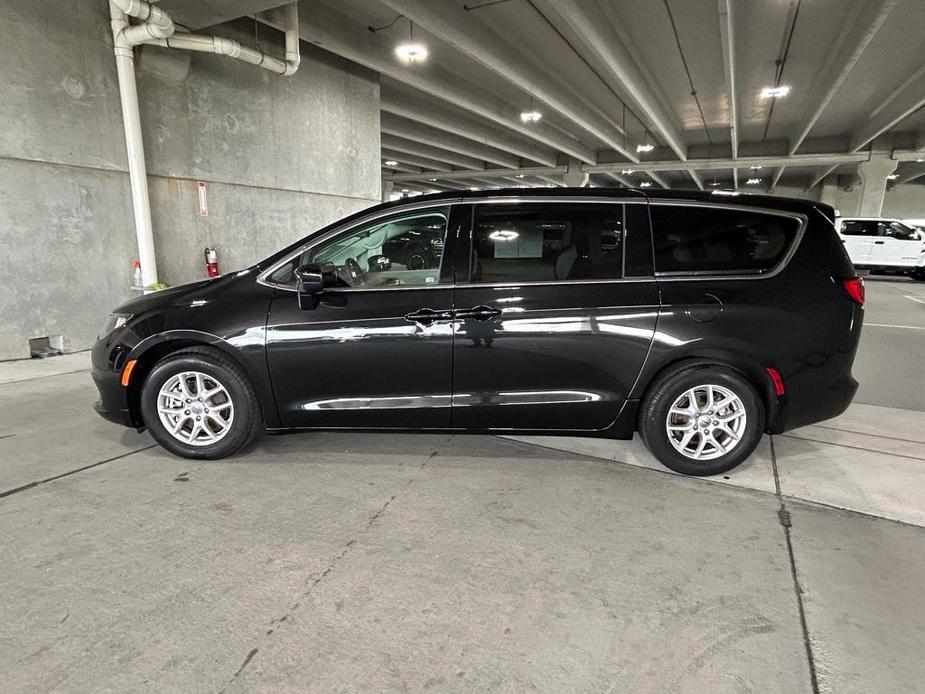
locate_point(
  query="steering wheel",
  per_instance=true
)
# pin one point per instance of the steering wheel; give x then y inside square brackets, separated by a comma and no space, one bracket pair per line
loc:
[354,272]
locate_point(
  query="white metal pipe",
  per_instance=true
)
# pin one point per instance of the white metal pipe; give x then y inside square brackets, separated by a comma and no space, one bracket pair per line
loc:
[134,147]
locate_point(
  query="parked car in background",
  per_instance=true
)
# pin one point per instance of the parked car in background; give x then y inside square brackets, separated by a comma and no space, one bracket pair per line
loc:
[883,245]
[698,320]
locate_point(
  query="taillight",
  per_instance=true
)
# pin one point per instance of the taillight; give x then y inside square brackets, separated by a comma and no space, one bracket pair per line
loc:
[854,288]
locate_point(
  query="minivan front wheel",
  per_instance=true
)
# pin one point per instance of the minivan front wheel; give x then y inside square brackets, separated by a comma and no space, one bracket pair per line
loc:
[197,403]
[702,420]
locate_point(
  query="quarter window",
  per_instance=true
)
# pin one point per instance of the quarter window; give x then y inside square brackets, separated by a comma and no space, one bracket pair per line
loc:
[547,242]
[690,239]
[404,250]
[858,227]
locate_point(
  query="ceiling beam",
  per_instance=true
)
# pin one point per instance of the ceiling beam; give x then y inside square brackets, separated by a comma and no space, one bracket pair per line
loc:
[727,35]
[602,33]
[411,130]
[423,163]
[821,177]
[623,181]
[696,178]
[339,33]
[401,144]
[909,173]
[658,179]
[905,100]
[776,178]
[436,115]
[403,168]
[832,160]
[450,22]
[861,23]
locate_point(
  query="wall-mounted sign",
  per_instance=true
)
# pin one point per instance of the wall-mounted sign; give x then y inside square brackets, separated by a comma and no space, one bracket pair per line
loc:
[203,202]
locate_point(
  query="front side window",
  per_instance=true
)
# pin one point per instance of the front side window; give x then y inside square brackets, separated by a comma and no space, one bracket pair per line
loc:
[858,227]
[547,242]
[403,250]
[691,239]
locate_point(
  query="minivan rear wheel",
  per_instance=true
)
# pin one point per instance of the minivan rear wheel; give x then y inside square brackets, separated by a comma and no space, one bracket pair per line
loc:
[197,403]
[702,420]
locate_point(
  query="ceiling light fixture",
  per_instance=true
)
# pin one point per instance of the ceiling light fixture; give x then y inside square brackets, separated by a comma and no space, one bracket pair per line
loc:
[757,167]
[411,52]
[753,181]
[892,177]
[644,148]
[503,235]
[404,190]
[645,184]
[627,172]
[473,188]
[390,162]
[774,92]
[715,184]
[520,175]
[919,161]
[532,115]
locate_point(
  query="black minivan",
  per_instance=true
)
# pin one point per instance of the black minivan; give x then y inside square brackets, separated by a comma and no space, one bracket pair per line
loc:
[700,320]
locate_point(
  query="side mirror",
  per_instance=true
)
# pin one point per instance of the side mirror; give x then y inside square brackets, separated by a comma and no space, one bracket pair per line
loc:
[309,285]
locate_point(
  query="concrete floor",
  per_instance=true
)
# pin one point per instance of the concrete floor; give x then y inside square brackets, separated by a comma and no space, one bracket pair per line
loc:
[345,562]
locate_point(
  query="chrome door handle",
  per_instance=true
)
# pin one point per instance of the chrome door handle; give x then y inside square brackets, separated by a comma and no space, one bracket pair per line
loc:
[479,312]
[426,316]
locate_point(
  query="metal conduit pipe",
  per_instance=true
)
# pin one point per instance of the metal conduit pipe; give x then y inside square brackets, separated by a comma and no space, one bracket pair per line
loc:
[157,27]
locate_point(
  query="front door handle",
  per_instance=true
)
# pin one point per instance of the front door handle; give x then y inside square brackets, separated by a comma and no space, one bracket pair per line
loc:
[426,316]
[479,312]
[879,242]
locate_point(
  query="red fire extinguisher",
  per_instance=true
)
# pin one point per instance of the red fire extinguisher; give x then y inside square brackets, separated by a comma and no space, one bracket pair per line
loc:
[211,256]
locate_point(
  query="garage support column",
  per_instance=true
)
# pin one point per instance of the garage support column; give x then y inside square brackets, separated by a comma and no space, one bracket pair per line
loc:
[873,175]
[829,191]
[387,187]
[575,177]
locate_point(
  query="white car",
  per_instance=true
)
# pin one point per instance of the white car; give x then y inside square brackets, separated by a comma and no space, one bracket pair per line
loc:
[883,245]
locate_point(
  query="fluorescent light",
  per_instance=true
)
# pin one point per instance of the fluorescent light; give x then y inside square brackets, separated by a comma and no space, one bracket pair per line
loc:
[725,192]
[627,172]
[645,148]
[520,175]
[892,177]
[503,235]
[411,52]
[919,161]
[753,181]
[473,188]
[390,162]
[645,184]
[530,116]
[431,179]
[774,92]
[757,167]
[404,190]
[716,183]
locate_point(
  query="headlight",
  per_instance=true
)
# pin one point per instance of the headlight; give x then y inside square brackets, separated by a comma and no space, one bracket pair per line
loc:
[114,322]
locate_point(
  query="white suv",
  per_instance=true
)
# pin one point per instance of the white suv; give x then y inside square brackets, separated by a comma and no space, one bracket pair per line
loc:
[883,245]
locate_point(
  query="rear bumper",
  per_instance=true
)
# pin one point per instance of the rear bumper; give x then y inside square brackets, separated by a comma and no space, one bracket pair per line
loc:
[797,412]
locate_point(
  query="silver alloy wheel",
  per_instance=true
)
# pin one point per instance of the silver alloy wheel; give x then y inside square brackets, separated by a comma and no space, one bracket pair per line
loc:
[195,408]
[706,422]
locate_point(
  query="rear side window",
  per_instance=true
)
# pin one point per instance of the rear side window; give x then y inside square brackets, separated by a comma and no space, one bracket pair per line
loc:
[690,239]
[547,242]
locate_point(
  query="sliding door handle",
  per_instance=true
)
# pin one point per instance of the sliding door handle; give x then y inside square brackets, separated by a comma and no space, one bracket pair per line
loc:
[479,313]
[426,316]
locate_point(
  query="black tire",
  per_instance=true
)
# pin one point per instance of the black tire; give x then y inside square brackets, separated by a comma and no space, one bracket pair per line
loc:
[246,422]
[653,418]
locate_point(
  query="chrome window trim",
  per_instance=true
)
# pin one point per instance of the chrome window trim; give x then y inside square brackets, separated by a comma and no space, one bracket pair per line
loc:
[263,277]
[680,276]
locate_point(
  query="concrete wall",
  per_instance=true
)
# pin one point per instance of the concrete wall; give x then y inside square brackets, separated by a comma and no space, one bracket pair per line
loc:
[280,157]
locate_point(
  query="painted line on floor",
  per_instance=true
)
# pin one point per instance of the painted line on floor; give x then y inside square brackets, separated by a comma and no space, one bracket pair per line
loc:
[857,448]
[914,298]
[25,379]
[865,433]
[31,485]
[890,325]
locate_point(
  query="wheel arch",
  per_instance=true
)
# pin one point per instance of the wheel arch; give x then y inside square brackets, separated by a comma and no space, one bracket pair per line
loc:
[746,366]
[151,350]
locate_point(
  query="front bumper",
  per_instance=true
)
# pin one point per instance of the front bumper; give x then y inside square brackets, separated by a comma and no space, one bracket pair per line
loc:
[113,403]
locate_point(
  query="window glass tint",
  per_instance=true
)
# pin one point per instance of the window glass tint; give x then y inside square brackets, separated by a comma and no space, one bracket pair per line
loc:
[708,239]
[547,242]
[858,227]
[405,250]
[896,230]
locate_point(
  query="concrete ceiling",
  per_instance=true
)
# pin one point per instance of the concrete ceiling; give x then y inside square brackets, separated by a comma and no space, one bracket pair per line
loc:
[683,75]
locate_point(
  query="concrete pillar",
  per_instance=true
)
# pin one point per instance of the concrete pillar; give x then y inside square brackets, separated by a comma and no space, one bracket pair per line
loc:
[829,191]
[575,177]
[873,175]
[387,187]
